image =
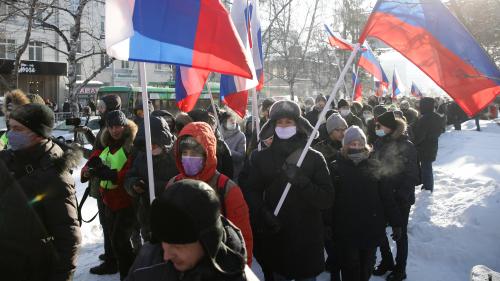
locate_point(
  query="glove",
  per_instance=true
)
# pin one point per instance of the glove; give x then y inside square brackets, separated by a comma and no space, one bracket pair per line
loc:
[94,163]
[104,173]
[139,186]
[296,177]
[82,129]
[397,232]
[270,222]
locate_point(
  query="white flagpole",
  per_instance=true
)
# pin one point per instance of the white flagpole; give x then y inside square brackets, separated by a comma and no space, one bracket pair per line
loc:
[316,127]
[255,117]
[355,82]
[147,130]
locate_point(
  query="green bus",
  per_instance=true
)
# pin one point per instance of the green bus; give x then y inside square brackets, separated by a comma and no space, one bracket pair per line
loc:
[161,97]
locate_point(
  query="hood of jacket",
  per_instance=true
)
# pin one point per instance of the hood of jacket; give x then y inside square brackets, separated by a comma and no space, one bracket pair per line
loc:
[127,138]
[204,135]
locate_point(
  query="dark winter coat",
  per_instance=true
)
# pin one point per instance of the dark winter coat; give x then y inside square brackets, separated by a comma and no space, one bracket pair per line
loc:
[398,167]
[235,140]
[329,148]
[456,115]
[313,116]
[353,120]
[39,230]
[426,132]
[296,250]
[370,131]
[224,159]
[411,115]
[362,204]
[149,263]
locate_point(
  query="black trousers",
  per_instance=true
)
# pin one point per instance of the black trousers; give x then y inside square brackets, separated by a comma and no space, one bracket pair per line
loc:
[401,245]
[121,224]
[356,264]
[108,250]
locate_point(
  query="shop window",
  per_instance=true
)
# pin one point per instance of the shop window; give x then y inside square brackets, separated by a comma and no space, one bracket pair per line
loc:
[78,71]
[104,60]
[7,49]
[35,50]
[158,66]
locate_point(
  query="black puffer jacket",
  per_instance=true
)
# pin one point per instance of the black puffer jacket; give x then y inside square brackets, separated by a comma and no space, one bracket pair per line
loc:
[426,131]
[296,251]
[362,204]
[39,230]
[398,167]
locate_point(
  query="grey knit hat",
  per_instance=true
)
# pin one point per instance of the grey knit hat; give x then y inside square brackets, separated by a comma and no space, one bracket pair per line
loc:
[354,133]
[335,121]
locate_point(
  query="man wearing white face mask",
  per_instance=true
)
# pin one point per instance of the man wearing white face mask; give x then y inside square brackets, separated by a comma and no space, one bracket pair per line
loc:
[350,118]
[195,158]
[291,243]
[136,181]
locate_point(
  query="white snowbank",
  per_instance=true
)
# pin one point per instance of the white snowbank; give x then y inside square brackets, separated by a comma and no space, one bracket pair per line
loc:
[451,231]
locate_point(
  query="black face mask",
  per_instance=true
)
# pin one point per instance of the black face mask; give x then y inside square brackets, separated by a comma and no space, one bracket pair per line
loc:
[355,151]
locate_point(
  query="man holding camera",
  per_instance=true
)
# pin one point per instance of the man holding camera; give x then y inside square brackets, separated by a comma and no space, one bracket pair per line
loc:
[110,165]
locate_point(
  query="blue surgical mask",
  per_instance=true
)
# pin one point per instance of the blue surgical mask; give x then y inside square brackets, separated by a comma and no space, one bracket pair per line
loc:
[19,140]
[380,132]
[285,133]
[192,165]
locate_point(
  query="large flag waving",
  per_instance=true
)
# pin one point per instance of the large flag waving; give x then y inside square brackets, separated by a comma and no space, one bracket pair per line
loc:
[427,34]
[370,63]
[189,84]
[337,41]
[234,90]
[357,86]
[397,85]
[415,91]
[197,33]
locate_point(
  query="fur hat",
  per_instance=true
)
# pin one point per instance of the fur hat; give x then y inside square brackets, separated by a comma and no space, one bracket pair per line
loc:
[379,110]
[285,109]
[38,118]
[335,121]
[112,102]
[388,120]
[13,99]
[342,103]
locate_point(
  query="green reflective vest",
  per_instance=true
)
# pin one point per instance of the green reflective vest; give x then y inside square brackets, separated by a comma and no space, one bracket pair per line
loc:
[115,161]
[4,140]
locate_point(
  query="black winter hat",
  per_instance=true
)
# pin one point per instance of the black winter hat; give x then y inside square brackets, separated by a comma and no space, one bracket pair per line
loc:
[160,133]
[267,103]
[39,118]
[319,98]
[116,118]
[342,103]
[112,102]
[379,110]
[199,115]
[427,105]
[388,120]
[186,212]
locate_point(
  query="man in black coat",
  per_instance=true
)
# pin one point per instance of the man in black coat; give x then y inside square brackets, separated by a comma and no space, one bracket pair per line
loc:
[39,230]
[398,172]
[426,132]
[313,115]
[293,241]
[346,113]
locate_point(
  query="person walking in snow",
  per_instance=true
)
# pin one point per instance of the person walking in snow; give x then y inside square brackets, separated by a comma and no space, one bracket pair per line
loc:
[335,126]
[39,229]
[136,181]
[361,207]
[195,156]
[426,132]
[110,165]
[293,240]
[235,140]
[398,171]
[197,242]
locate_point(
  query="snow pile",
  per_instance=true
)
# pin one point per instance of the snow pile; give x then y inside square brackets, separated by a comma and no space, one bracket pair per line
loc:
[451,231]
[483,273]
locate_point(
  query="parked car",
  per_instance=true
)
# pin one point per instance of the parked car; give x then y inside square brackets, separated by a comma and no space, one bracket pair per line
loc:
[66,133]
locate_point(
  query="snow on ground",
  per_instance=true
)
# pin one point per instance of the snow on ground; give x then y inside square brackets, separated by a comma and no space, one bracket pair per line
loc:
[450,231]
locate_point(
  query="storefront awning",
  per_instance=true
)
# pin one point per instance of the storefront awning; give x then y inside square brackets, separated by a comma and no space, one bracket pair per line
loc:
[34,68]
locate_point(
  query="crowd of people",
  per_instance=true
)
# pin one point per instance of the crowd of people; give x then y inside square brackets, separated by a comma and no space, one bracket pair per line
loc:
[217,187]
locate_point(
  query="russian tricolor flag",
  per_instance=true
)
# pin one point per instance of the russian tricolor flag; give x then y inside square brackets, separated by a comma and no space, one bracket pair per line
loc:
[371,64]
[189,83]
[197,33]
[357,86]
[427,34]
[415,91]
[337,41]
[397,85]
[234,90]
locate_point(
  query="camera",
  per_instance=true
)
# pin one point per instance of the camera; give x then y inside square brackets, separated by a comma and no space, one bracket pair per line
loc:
[74,121]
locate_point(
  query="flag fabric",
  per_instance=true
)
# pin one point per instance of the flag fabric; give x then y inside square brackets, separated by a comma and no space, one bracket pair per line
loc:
[234,90]
[357,86]
[415,91]
[427,34]
[371,64]
[397,85]
[337,41]
[189,84]
[196,33]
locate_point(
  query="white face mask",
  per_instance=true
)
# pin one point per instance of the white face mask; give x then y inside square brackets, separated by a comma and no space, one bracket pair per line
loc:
[344,112]
[367,116]
[230,126]
[380,132]
[285,133]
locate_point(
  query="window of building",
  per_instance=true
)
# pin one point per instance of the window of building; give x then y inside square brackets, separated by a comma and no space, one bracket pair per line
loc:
[7,11]
[35,50]
[7,49]
[158,66]
[125,64]
[105,60]
[102,25]
[78,71]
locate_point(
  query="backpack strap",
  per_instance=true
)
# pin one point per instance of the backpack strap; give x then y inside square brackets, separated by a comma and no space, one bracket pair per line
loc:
[222,188]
